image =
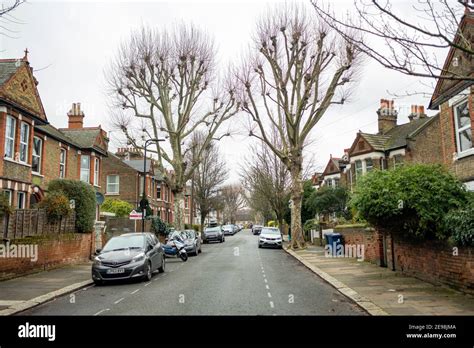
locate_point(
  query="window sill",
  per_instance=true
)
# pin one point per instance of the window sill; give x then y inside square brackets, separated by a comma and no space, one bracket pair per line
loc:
[37,174]
[20,163]
[112,194]
[460,155]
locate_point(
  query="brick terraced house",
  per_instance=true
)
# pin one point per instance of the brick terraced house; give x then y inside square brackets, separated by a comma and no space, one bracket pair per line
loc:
[33,151]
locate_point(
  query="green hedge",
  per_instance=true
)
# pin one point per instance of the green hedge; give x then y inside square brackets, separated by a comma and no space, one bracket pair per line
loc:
[56,205]
[84,197]
[410,201]
[118,207]
[5,207]
[460,223]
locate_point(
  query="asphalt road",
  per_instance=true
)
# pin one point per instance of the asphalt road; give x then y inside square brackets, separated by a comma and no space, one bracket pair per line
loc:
[230,278]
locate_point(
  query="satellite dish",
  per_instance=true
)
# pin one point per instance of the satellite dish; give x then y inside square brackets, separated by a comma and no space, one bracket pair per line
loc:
[99,197]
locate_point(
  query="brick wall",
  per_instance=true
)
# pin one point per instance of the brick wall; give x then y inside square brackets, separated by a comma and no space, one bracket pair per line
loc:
[128,189]
[70,249]
[430,261]
[426,148]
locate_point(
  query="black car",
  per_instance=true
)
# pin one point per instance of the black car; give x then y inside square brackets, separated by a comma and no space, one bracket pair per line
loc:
[129,256]
[193,242]
[256,229]
[213,234]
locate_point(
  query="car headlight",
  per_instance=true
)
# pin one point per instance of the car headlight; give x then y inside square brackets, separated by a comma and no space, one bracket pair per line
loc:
[262,238]
[97,261]
[139,257]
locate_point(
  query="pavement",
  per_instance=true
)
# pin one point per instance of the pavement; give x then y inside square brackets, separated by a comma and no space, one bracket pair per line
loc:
[381,291]
[230,278]
[26,292]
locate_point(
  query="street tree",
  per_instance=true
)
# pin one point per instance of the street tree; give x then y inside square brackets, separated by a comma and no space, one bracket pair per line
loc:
[232,200]
[413,45]
[297,70]
[267,178]
[165,84]
[209,175]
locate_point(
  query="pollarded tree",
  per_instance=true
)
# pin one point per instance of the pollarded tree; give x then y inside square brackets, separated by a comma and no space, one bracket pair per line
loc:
[299,70]
[162,81]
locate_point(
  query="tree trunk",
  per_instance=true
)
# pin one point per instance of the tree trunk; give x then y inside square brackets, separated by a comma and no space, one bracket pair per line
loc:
[203,218]
[179,210]
[297,239]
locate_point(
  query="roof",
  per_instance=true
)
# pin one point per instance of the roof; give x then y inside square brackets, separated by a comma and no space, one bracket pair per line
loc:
[138,165]
[397,136]
[84,137]
[56,134]
[7,68]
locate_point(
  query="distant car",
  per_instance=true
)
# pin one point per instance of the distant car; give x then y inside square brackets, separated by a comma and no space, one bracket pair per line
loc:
[256,229]
[193,242]
[270,237]
[213,234]
[128,256]
[212,223]
[228,229]
[236,228]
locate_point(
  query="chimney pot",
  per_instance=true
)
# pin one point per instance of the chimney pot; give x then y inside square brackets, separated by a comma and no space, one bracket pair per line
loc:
[75,117]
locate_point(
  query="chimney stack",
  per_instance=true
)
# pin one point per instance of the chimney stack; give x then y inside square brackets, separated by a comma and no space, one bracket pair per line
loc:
[417,112]
[387,116]
[76,117]
[130,153]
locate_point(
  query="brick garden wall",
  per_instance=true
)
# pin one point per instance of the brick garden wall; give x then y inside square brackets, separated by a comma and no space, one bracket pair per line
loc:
[430,261]
[64,250]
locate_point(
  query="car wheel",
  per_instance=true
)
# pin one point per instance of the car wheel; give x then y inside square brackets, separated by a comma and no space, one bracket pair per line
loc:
[196,251]
[161,269]
[148,272]
[259,246]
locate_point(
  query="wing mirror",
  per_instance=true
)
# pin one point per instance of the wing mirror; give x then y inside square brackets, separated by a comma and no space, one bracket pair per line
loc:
[97,251]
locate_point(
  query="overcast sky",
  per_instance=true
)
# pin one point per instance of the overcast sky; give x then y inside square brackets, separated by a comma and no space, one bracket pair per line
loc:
[71,43]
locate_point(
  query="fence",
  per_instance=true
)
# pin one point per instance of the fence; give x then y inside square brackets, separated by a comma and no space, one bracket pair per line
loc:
[32,222]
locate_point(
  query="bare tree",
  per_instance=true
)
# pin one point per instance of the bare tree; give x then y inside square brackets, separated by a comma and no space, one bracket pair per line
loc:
[299,70]
[232,200]
[410,46]
[162,81]
[209,175]
[267,178]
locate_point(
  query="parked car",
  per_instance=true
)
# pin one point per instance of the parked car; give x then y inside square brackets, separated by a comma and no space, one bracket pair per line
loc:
[193,242]
[236,228]
[228,229]
[213,234]
[128,256]
[270,237]
[256,229]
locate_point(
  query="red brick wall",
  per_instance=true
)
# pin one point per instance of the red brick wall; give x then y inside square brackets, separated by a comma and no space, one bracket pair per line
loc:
[430,261]
[53,253]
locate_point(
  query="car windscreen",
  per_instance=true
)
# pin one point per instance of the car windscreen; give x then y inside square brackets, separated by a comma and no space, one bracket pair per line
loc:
[227,227]
[212,229]
[189,234]
[270,231]
[125,242]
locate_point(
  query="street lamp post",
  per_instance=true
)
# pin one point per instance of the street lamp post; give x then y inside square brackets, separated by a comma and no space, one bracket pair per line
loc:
[142,202]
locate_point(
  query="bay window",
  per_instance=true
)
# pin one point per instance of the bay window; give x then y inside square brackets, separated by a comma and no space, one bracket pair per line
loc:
[85,168]
[462,120]
[10,137]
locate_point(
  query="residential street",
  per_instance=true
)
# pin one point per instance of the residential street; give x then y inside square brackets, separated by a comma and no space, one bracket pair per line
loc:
[232,278]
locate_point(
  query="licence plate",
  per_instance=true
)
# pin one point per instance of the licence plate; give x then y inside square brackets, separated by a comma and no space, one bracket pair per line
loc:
[115,270]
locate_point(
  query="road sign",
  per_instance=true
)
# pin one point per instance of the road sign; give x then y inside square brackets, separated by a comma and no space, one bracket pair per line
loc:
[134,215]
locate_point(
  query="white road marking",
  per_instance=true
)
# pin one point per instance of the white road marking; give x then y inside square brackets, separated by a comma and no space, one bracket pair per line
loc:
[266,281]
[271,304]
[104,310]
[269,295]
[148,283]
[268,288]
[134,292]
[119,300]
[264,276]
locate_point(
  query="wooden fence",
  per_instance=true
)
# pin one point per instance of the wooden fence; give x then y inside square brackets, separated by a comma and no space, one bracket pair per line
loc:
[33,222]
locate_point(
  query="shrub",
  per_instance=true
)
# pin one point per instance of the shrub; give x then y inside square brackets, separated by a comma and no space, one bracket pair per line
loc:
[330,200]
[158,226]
[460,223]
[118,207]
[272,223]
[310,224]
[84,197]
[197,228]
[409,200]
[56,205]
[5,207]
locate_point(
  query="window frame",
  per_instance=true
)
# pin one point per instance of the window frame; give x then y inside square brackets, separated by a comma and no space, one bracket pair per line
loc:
[114,184]
[62,174]
[24,145]
[84,169]
[458,130]
[9,192]
[40,156]
[371,167]
[356,170]
[8,138]
[18,194]
[96,171]
[400,163]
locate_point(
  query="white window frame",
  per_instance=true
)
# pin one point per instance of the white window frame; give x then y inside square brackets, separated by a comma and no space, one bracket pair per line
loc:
[369,168]
[8,138]
[62,174]
[462,129]
[18,194]
[24,143]
[83,170]
[39,156]
[96,171]
[117,184]
[361,168]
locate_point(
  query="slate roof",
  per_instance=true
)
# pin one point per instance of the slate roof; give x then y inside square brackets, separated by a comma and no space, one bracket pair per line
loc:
[84,137]
[398,136]
[7,68]
[57,134]
[138,165]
